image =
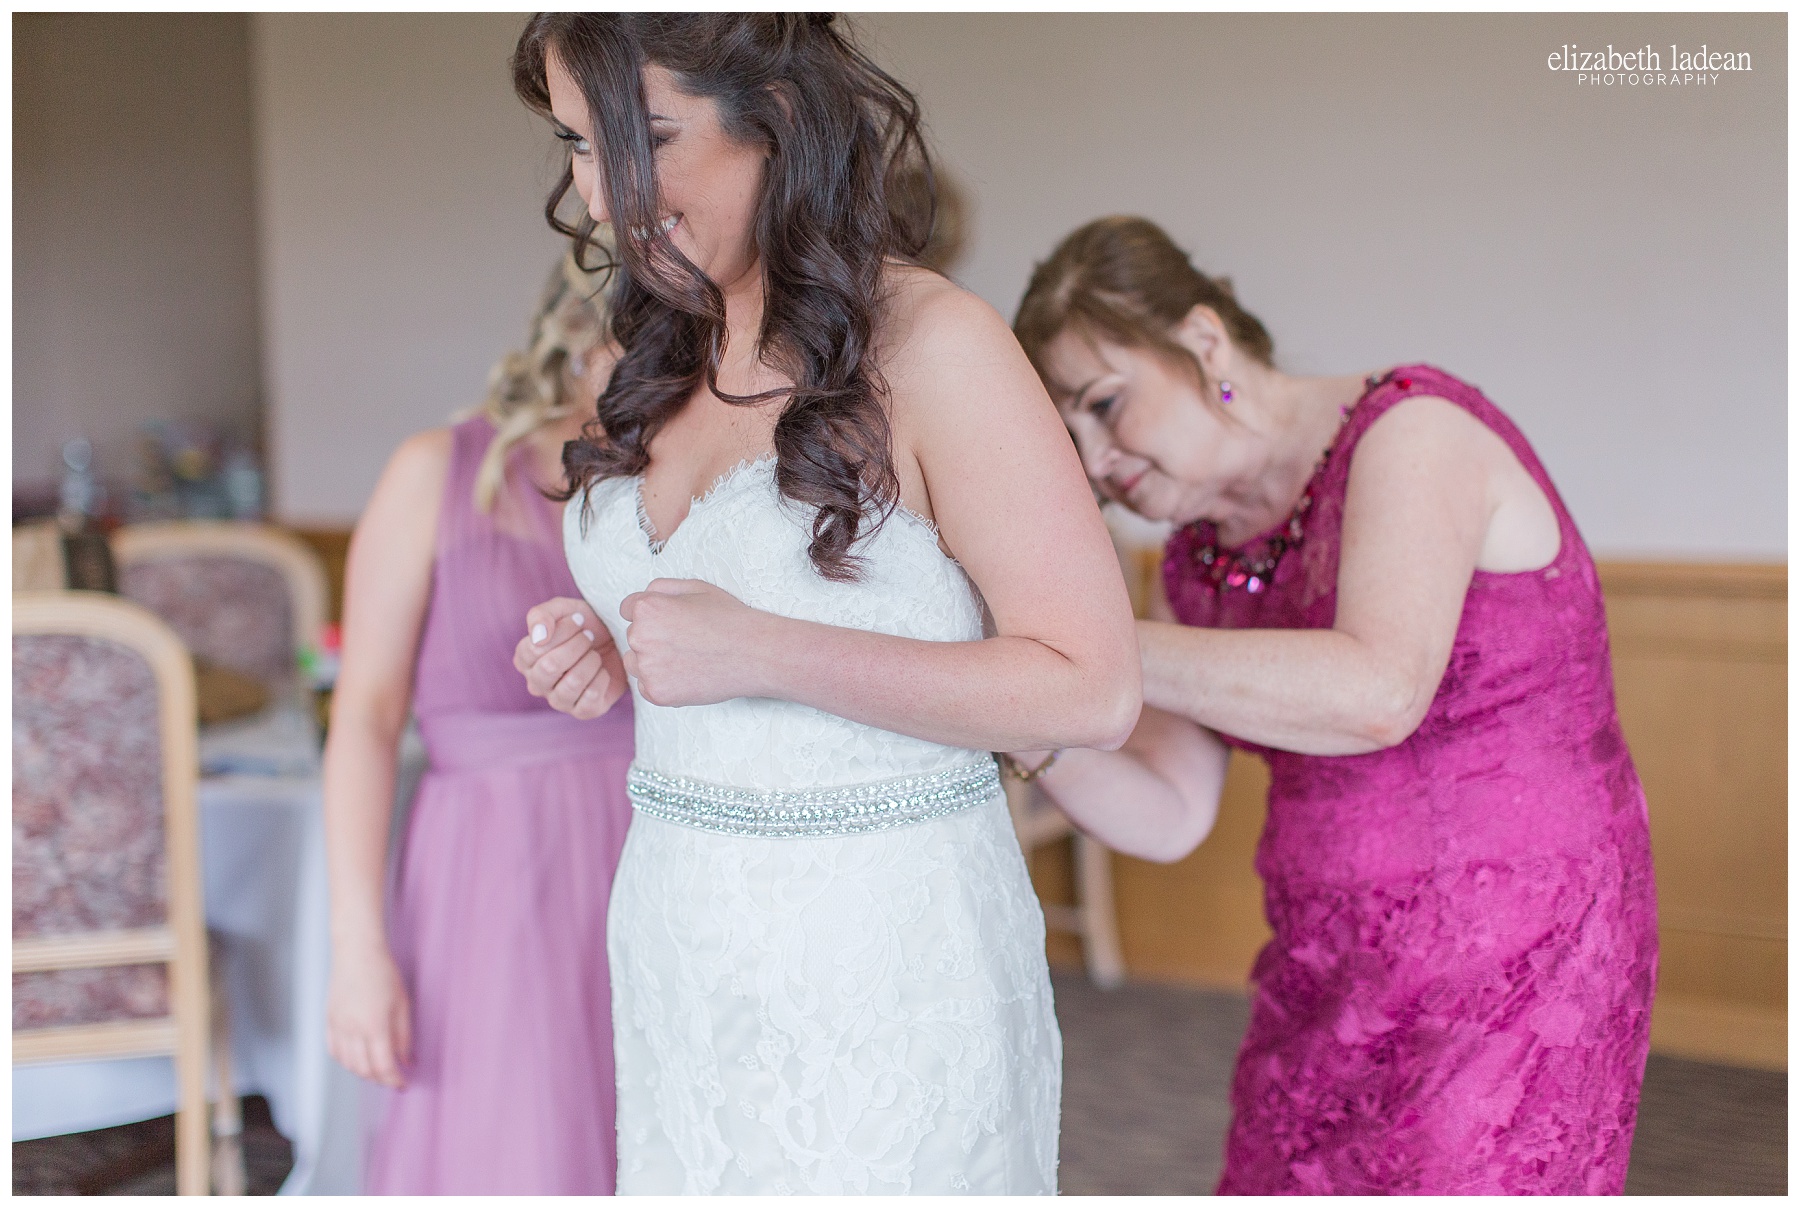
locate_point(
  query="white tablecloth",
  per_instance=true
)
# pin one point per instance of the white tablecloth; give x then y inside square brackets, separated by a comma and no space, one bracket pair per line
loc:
[263,858]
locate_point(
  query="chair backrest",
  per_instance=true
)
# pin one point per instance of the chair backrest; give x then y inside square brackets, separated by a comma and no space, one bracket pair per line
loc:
[105,830]
[244,596]
[38,557]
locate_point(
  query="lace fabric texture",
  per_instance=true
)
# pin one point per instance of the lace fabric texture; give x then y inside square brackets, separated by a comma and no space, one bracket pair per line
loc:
[1457,995]
[743,537]
[863,1013]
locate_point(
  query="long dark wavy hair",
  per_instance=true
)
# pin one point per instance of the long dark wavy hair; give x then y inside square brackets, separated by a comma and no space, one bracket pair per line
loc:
[840,132]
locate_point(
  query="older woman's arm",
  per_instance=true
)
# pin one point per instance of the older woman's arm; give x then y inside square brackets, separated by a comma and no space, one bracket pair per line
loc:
[1157,797]
[1416,516]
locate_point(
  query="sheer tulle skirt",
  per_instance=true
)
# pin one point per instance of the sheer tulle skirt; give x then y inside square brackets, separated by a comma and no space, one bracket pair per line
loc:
[499,925]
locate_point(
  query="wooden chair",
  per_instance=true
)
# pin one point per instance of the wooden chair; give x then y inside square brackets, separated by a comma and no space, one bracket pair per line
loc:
[109,931]
[1092,918]
[247,597]
[243,597]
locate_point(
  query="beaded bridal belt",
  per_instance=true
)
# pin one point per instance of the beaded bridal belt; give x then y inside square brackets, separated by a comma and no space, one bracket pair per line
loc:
[853,809]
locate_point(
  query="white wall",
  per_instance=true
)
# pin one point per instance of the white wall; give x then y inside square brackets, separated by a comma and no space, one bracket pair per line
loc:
[134,249]
[400,188]
[1609,265]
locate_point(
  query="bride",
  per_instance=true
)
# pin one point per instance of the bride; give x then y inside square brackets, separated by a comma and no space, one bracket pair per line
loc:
[815,464]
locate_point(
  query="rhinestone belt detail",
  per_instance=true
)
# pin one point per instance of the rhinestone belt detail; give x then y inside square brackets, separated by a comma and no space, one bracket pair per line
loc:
[854,809]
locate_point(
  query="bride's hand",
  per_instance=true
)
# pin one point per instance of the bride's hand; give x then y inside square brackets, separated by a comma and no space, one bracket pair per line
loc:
[568,658]
[691,643]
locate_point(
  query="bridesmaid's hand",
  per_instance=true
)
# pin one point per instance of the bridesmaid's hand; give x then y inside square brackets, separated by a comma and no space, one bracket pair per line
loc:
[368,1020]
[569,659]
[691,643]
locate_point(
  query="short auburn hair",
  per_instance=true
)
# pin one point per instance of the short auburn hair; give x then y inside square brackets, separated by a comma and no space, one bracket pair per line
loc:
[1123,279]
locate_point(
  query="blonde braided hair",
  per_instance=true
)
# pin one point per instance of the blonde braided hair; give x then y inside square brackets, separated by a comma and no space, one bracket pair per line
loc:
[530,388]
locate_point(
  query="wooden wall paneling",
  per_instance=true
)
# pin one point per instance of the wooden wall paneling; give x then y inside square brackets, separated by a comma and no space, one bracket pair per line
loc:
[1700,662]
[333,547]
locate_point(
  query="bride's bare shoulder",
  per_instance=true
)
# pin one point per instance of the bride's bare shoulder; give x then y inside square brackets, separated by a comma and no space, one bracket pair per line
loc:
[932,326]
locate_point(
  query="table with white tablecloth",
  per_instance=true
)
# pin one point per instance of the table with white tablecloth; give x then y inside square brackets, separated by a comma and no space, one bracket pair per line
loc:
[263,862]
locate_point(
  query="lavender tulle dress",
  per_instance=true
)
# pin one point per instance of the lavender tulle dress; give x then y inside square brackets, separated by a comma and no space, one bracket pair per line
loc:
[499,912]
[1457,995]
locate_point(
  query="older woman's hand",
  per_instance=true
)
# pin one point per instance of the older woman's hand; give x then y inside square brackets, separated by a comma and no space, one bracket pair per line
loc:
[569,659]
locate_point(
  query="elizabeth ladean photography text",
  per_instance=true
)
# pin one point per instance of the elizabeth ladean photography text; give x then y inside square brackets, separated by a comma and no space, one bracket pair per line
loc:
[1647,59]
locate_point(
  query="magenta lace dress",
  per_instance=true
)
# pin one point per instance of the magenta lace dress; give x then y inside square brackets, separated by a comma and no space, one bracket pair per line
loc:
[499,913]
[1457,995]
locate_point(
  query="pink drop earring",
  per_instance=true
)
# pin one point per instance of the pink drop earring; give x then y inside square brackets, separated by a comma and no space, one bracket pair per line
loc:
[1225,395]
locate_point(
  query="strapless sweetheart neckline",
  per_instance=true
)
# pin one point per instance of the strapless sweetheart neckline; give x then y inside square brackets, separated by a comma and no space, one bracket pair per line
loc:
[736,474]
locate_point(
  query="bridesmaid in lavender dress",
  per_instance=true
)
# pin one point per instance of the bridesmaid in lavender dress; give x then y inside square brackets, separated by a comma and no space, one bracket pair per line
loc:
[481,1005]
[1375,586]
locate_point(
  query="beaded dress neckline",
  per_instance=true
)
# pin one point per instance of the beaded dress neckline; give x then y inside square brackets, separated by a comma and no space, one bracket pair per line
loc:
[1250,564]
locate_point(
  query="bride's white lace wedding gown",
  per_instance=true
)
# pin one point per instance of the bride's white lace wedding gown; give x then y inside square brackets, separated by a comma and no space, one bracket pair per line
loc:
[827,960]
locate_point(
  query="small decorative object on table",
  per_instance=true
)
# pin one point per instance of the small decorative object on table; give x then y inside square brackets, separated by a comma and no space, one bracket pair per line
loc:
[319,670]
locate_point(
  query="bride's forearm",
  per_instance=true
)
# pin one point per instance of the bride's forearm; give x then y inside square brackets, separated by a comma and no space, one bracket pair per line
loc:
[997,694]
[1313,691]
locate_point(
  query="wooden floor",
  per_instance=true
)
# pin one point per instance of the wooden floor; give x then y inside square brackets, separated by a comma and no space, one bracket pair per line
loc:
[1144,1112]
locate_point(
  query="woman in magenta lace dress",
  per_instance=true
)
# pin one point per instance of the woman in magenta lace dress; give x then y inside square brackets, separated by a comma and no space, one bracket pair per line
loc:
[478,998]
[1374,586]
